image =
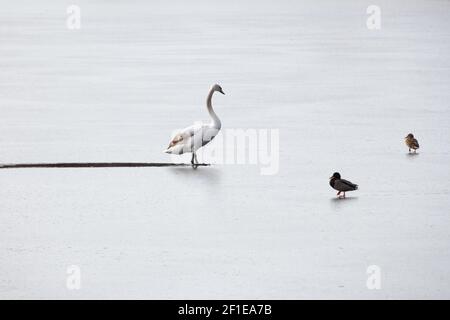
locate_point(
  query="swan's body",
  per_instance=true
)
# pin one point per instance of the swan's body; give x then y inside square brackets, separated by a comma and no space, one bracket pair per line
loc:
[192,138]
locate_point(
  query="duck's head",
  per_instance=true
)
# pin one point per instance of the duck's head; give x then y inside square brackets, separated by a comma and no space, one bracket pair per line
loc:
[217,88]
[335,175]
[409,136]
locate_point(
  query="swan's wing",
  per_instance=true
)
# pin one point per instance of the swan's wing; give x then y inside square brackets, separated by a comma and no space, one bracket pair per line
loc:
[415,143]
[176,140]
[182,136]
[345,185]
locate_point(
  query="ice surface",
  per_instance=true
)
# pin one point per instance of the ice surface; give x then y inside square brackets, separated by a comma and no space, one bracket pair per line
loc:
[342,96]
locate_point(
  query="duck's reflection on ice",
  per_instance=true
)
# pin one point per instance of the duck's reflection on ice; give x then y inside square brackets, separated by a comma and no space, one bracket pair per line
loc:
[339,203]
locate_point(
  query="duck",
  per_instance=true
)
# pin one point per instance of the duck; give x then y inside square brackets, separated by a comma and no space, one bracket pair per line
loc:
[198,135]
[411,142]
[341,185]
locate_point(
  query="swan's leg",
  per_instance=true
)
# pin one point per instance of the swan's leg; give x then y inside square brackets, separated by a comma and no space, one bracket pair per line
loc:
[195,157]
[344,194]
[194,161]
[409,150]
[338,194]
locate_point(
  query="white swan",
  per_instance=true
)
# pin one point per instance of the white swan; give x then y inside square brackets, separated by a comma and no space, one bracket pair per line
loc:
[196,136]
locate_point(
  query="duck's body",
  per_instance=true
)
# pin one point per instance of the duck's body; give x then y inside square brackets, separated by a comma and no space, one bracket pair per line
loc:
[196,136]
[411,142]
[341,185]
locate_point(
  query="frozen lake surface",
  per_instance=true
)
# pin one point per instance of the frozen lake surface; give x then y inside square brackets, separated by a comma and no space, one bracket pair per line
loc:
[342,97]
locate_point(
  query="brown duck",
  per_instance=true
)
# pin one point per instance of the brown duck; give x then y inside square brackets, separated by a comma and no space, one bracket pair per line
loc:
[341,185]
[411,142]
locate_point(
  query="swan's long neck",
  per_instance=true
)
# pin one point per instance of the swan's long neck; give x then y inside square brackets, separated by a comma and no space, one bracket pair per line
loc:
[215,119]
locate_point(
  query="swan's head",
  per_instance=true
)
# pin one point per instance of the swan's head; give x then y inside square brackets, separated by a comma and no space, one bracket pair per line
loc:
[409,136]
[218,88]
